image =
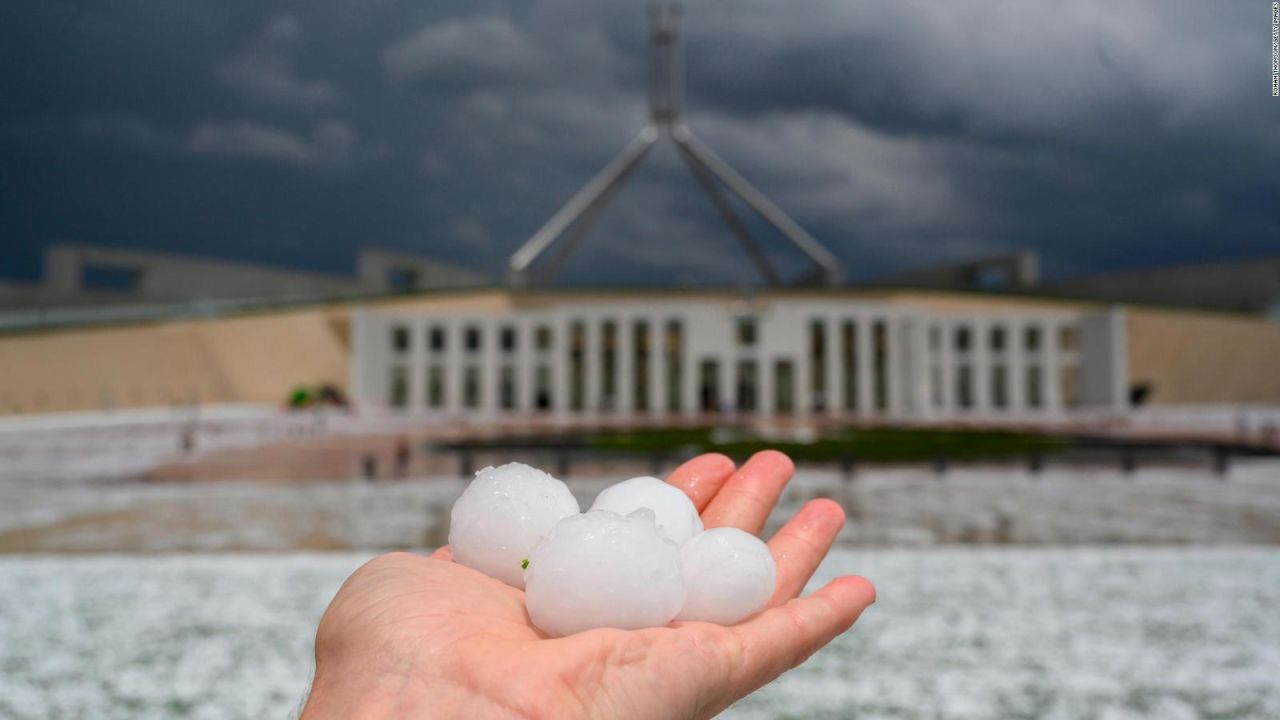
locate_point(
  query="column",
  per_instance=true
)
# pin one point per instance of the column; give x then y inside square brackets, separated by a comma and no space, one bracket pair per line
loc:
[591,351]
[920,363]
[1015,367]
[866,393]
[1051,391]
[560,369]
[452,328]
[981,372]
[726,381]
[834,390]
[657,366]
[417,365]
[946,367]
[689,369]
[802,381]
[894,363]
[765,390]
[489,380]
[625,379]
[526,359]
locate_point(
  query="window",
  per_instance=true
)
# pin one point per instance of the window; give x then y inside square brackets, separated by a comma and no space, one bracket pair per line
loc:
[746,331]
[709,385]
[110,277]
[1031,338]
[962,338]
[542,388]
[399,391]
[436,338]
[608,365]
[784,387]
[472,338]
[507,339]
[1070,384]
[964,387]
[935,338]
[849,361]
[997,338]
[674,350]
[435,386]
[507,387]
[746,386]
[880,363]
[471,386]
[401,279]
[992,277]
[542,338]
[1035,383]
[640,365]
[399,338]
[1067,338]
[818,363]
[999,387]
[577,365]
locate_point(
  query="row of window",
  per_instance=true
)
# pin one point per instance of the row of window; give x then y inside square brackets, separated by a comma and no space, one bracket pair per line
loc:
[745,391]
[997,338]
[472,338]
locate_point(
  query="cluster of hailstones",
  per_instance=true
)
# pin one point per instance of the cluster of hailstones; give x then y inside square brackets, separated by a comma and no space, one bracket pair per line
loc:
[639,557]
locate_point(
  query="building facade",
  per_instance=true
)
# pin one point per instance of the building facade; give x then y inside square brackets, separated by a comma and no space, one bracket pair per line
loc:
[647,355]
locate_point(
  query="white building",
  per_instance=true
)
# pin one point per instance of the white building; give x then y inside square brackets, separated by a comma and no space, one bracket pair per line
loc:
[632,355]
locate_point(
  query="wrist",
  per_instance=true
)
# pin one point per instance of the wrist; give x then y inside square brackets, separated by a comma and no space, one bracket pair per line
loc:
[365,696]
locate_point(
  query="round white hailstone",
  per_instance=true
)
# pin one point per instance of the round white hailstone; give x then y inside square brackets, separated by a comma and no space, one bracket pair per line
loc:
[601,569]
[502,515]
[677,518]
[729,575]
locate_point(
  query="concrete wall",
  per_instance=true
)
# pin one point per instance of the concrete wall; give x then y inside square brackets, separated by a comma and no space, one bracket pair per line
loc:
[1104,365]
[1251,286]
[376,266]
[165,277]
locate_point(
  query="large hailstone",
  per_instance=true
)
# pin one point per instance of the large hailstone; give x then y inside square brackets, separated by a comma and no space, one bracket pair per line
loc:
[729,575]
[676,515]
[601,569]
[502,515]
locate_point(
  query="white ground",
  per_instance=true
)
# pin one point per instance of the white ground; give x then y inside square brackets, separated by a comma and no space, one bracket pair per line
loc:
[116,445]
[957,633]
[887,507]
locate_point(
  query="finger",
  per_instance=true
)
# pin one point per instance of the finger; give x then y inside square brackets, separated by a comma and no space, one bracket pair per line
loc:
[799,547]
[781,638]
[747,498]
[702,477]
[442,553]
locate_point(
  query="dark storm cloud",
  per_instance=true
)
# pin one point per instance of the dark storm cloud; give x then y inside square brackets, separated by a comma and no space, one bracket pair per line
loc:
[1102,134]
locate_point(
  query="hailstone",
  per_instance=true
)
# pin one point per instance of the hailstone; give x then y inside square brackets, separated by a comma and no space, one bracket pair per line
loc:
[676,515]
[729,575]
[502,515]
[601,569]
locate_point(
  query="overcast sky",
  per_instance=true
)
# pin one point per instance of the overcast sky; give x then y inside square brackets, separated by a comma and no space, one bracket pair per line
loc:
[1104,134]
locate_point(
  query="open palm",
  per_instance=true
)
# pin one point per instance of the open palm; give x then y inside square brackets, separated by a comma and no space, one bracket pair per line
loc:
[410,635]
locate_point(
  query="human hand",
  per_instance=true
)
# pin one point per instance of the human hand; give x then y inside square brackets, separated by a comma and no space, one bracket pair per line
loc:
[413,636]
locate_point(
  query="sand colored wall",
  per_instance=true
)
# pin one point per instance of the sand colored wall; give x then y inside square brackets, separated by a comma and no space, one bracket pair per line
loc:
[1190,357]
[242,359]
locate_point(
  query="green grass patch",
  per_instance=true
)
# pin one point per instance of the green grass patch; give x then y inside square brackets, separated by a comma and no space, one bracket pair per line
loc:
[865,445]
